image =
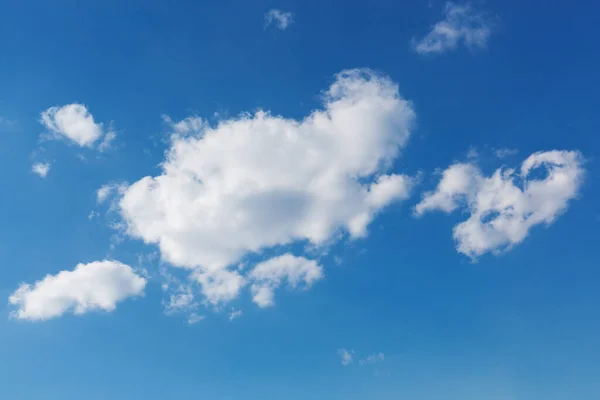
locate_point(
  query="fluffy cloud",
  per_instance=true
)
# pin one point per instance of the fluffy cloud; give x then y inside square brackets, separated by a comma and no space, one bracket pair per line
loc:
[74,122]
[461,23]
[259,181]
[219,286]
[269,275]
[506,205]
[41,169]
[281,19]
[99,285]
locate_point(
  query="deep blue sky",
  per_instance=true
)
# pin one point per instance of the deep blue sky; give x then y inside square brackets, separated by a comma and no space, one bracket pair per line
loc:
[518,326]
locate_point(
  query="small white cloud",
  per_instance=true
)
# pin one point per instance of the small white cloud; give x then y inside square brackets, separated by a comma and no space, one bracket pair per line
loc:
[219,286]
[99,285]
[346,356]
[372,359]
[281,19]
[181,300]
[109,190]
[505,152]
[194,318]
[461,23]
[268,275]
[235,314]
[107,141]
[75,123]
[41,169]
[504,207]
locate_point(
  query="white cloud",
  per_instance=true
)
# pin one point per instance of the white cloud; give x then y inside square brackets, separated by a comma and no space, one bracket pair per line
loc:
[461,23]
[74,122]
[109,190]
[181,300]
[268,275]
[107,141]
[346,356]
[235,314]
[505,206]
[194,318]
[372,359]
[505,152]
[41,169]
[281,19]
[220,286]
[99,285]
[259,181]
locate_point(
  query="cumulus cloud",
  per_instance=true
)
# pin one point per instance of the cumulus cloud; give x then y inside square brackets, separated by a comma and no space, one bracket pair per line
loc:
[461,23]
[75,123]
[505,206]
[41,169]
[99,285]
[278,18]
[259,181]
[268,275]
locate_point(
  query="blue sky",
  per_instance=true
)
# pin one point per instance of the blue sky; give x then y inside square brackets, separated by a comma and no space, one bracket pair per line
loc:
[325,200]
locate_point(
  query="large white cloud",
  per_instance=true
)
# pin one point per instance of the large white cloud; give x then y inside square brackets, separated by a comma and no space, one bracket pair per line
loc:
[506,205]
[74,122]
[99,285]
[259,181]
[461,23]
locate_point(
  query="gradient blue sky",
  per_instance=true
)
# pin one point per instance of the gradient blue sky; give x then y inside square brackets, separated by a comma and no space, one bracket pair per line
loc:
[520,325]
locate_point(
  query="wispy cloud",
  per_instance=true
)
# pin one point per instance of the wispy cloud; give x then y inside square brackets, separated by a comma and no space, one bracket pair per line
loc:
[346,356]
[235,314]
[372,359]
[280,19]
[461,24]
[505,152]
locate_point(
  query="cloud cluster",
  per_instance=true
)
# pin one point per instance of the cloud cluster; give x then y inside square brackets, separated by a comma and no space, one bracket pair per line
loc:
[260,181]
[75,123]
[505,206]
[99,285]
[461,23]
[281,19]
